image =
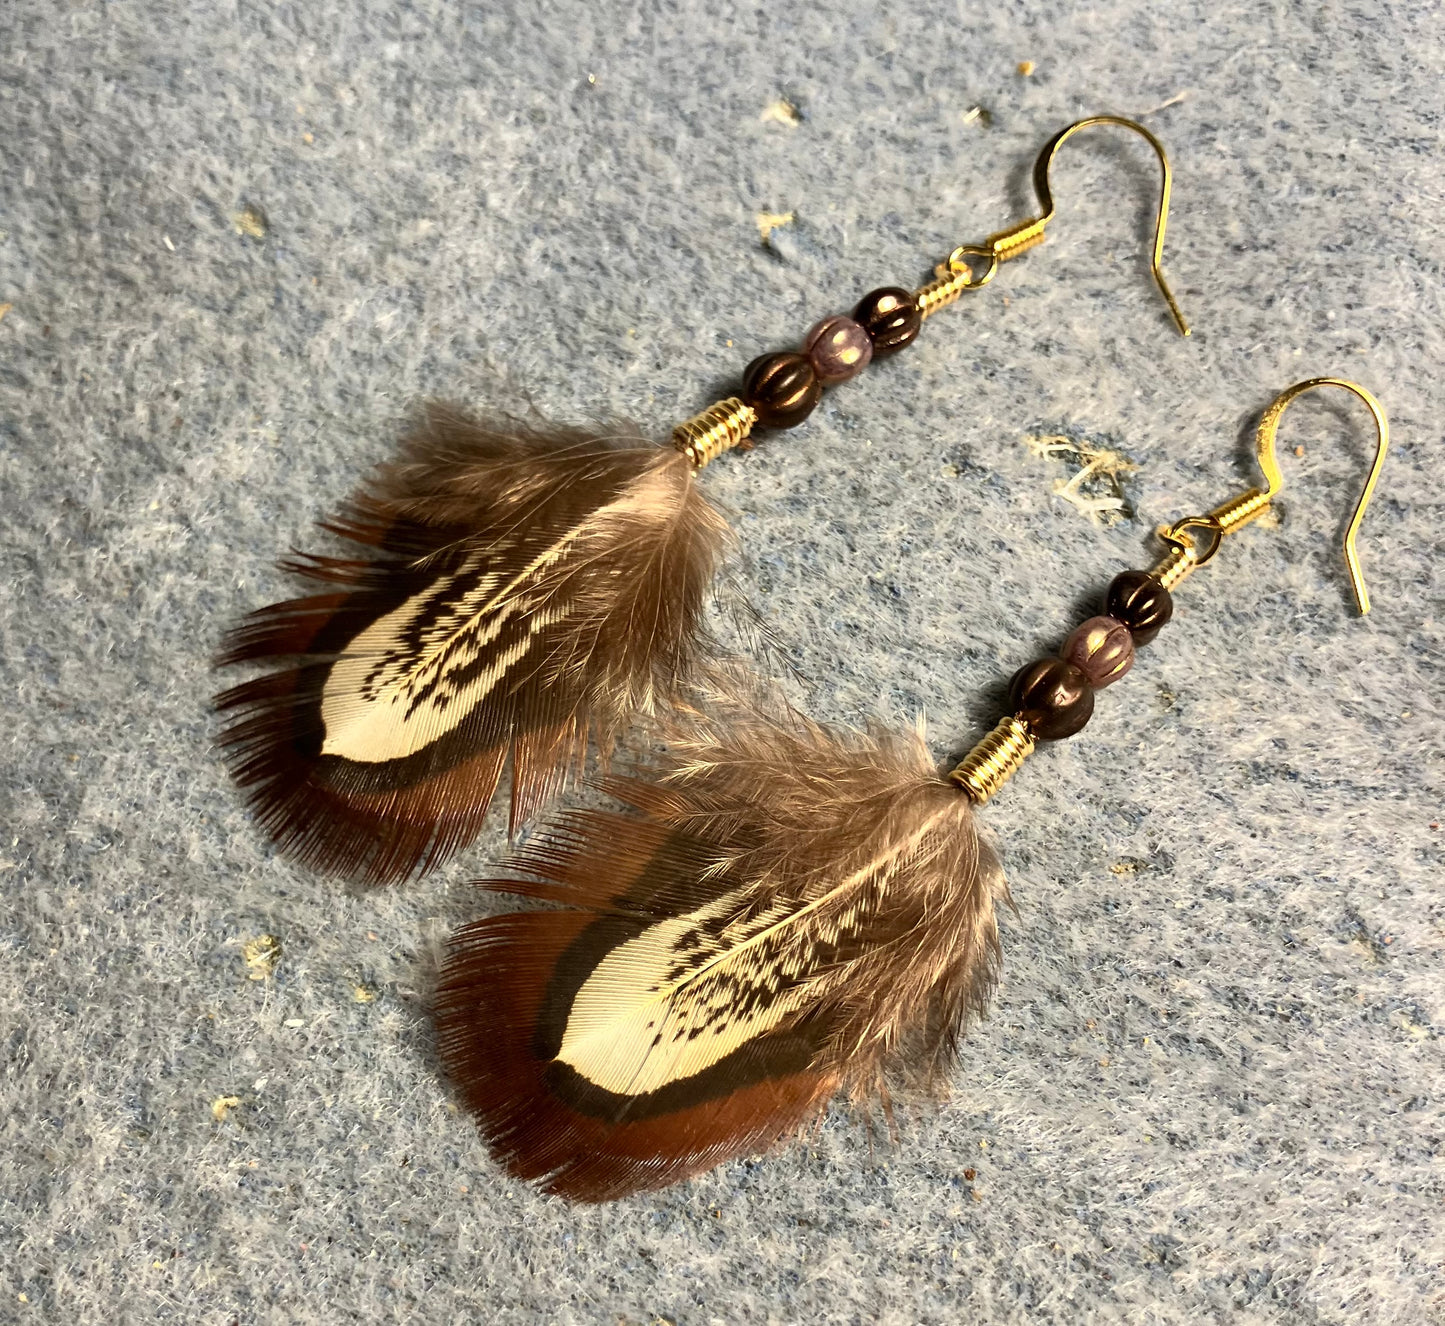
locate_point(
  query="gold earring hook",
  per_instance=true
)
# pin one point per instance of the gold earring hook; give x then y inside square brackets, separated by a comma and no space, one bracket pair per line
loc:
[1184,556]
[1017,239]
[1264,442]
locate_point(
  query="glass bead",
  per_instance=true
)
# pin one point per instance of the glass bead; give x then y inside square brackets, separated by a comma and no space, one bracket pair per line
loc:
[1102,649]
[891,318]
[838,348]
[782,388]
[1052,698]
[1141,603]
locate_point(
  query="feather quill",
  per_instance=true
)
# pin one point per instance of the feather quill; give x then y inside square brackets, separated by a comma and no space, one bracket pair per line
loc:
[519,594]
[788,912]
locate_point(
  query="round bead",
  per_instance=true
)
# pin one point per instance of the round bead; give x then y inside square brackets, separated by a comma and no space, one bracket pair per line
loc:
[1141,603]
[890,317]
[1052,698]
[1102,649]
[782,388]
[838,348]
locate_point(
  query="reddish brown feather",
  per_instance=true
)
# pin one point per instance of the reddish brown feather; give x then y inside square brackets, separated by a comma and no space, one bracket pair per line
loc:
[497,974]
[578,644]
[841,884]
[379,837]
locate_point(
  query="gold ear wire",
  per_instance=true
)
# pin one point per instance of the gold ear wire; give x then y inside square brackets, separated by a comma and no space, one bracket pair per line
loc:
[1019,238]
[1264,442]
[1184,556]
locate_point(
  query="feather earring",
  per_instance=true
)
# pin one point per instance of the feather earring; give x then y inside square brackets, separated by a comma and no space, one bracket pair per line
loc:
[522,594]
[790,909]
[787,913]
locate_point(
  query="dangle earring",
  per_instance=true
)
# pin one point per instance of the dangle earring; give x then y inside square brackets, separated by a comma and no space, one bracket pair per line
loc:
[789,913]
[520,593]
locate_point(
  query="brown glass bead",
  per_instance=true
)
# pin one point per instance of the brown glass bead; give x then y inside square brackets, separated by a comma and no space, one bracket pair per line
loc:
[1141,603]
[838,349]
[1102,649]
[782,388]
[890,317]
[1052,698]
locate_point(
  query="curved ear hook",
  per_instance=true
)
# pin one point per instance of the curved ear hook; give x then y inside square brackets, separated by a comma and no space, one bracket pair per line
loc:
[1185,555]
[1264,442]
[1016,239]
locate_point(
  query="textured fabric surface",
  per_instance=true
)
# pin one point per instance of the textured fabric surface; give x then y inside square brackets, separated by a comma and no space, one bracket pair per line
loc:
[239,243]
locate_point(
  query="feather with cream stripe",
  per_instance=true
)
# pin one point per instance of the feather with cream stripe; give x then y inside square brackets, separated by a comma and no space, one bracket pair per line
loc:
[520,593]
[786,912]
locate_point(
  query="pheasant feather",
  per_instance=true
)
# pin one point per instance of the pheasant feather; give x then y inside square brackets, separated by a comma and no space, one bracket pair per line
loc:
[520,593]
[788,913]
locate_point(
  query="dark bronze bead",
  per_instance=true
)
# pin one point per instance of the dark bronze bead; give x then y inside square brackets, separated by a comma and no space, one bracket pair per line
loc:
[1052,698]
[890,317]
[782,388]
[1141,603]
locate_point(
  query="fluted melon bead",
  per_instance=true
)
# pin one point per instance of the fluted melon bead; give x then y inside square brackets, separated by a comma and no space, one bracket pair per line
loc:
[1102,649]
[782,388]
[838,348]
[1139,601]
[891,318]
[1052,698]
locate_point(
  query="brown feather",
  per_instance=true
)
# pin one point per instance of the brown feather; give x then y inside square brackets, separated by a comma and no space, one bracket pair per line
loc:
[520,594]
[792,912]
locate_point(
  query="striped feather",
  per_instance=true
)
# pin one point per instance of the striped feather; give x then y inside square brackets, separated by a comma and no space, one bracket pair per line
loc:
[519,594]
[788,913]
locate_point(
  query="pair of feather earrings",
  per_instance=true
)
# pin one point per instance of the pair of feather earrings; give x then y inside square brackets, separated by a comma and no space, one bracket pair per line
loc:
[523,594]
[786,912]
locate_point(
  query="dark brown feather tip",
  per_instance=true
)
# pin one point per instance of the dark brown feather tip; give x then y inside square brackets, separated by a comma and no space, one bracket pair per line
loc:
[792,912]
[519,594]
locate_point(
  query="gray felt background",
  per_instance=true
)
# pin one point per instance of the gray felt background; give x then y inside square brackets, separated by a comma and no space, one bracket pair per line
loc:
[1212,1086]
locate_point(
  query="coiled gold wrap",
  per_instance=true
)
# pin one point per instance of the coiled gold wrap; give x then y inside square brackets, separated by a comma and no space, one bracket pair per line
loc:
[1185,556]
[942,292]
[1170,569]
[719,428]
[990,764]
[1017,240]
[1239,511]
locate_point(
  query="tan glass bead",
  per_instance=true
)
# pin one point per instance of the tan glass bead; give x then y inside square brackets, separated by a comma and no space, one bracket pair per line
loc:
[838,348]
[1102,648]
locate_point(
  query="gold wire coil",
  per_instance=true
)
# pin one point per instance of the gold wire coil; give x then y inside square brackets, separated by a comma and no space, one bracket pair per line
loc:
[719,428]
[1241,510]
[990,764]
[941,292]
[1177,563]
[1017,239]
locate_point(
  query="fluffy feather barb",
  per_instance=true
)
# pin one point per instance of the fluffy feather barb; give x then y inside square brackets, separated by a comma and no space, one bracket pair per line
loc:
[520,593]
[793,912]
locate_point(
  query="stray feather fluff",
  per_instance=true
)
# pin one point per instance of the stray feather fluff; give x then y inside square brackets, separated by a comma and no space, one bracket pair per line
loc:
[789,913]
[520,593]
